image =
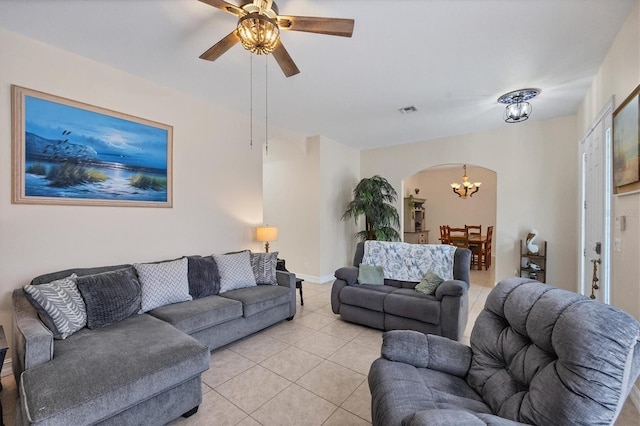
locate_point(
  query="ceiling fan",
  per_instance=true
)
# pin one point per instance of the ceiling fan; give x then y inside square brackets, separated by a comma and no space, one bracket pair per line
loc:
[259,28]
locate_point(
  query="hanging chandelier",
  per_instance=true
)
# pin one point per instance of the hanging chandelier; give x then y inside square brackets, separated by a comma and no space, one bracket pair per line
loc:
[466,189]
[518,109]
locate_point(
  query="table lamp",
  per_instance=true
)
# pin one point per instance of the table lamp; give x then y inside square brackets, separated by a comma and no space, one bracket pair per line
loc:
[265,234]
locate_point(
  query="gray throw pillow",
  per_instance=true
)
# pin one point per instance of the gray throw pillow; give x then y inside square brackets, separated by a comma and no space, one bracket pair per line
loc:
[264,267]
[163,283]
[235,271]
[110,296]
[370,274]
[59,305]
[429,283]
[204,279]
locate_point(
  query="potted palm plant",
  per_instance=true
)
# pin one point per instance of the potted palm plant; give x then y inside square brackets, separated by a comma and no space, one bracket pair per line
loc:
[372,197]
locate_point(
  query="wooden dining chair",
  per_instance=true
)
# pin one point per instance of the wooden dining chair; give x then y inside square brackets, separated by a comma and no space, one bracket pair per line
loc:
[475,232]
[487,248]
[459,237]
[444,234]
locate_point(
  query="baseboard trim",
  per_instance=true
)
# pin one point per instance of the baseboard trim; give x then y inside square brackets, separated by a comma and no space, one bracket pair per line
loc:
[315,279]
[635,397]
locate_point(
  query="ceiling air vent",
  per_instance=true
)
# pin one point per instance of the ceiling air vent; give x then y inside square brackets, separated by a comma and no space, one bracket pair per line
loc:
[408,109]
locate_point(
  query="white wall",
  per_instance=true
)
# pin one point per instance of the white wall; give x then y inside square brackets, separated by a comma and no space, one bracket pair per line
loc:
[537,168]
[217,190]
[619,74]
[339,174]
[307,185]
[443,207]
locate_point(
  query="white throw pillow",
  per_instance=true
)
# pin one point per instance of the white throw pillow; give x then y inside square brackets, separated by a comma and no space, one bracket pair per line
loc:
[60,305]
[235,271]
[163,283]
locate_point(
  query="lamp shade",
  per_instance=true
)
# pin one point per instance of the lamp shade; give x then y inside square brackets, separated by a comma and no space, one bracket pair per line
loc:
[267,233]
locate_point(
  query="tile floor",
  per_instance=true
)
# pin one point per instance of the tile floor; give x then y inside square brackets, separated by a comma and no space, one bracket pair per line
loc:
[308,371]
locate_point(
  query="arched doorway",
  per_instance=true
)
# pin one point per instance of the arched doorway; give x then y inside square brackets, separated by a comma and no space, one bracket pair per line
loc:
[444,207]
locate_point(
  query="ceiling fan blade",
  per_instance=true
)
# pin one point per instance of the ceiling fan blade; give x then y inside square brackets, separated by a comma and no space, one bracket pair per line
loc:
[227,7]
[287,65]
[220,47]
[331,26]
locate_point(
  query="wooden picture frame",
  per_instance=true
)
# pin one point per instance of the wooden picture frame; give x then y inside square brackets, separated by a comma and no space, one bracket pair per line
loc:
[626,145]
[71,153]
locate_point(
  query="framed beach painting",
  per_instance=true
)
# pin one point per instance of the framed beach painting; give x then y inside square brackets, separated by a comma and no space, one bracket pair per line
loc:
[68,152]
[626,145]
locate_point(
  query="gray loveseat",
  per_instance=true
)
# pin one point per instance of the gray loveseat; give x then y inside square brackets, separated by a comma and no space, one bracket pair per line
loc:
[539,355]
[144,369]
[396,305]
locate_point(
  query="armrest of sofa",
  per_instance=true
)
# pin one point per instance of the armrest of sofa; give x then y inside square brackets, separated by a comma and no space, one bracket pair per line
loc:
[427,351]
[349,274]
[288,279]
[454,288]
[451,417]
[32,340]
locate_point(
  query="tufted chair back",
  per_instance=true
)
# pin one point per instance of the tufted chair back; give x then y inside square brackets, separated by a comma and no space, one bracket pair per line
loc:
[546,356]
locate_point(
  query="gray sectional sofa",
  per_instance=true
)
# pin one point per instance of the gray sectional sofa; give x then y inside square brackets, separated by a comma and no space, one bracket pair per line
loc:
[143,369]
[539,355]
[396,305]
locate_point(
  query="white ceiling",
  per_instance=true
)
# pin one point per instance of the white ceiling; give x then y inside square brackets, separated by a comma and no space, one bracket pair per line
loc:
[451,59]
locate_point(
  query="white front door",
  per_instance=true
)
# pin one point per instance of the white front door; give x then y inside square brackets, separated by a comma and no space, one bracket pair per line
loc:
[595,151]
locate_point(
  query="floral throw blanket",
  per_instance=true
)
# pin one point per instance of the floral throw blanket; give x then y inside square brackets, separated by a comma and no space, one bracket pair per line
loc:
[410,262]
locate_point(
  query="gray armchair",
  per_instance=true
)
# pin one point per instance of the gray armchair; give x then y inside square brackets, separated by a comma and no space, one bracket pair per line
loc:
[539,355]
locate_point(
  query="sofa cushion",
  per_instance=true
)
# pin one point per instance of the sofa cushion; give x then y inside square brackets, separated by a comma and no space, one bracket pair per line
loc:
[59,305]
[366,296]
[429,283]
[264,267]
[163,283]
[204,279]
[398,390]
[235,271]
[110,296]
[199,314]
[257,299]
[98,373]
[370,274]
[409,303]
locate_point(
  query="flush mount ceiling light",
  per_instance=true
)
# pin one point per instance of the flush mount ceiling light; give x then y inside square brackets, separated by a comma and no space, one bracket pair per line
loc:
[518,109]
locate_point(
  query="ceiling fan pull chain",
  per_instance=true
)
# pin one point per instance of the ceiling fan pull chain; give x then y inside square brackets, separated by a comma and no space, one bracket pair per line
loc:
[266,104]
[251,101]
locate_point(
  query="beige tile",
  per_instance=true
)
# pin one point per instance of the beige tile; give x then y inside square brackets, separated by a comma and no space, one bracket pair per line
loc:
[292,363]
[9,396]
[289,332]
[629,416]
[314,321]
[342,329]
[359,402]
[258,347]
[370,337]
[225,365]
[294,406]
[315,302]
[213,406]
[248,421]
[252,388]
[344,418]
[321,344]
[327,312]
[355,357]
[331,381]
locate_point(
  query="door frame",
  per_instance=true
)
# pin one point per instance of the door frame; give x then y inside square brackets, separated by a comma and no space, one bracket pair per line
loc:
[605,270]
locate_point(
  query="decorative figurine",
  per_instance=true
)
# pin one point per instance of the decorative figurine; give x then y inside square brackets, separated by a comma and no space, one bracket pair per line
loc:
[532,249]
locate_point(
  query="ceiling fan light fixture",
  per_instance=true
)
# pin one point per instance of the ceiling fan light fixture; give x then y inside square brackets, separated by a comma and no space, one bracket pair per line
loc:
[258,33]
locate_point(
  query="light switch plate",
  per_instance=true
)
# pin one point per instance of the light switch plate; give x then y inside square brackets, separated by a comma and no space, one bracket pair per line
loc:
[621,222]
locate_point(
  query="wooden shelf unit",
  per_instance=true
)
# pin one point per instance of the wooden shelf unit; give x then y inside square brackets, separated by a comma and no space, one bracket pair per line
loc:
[540,259]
